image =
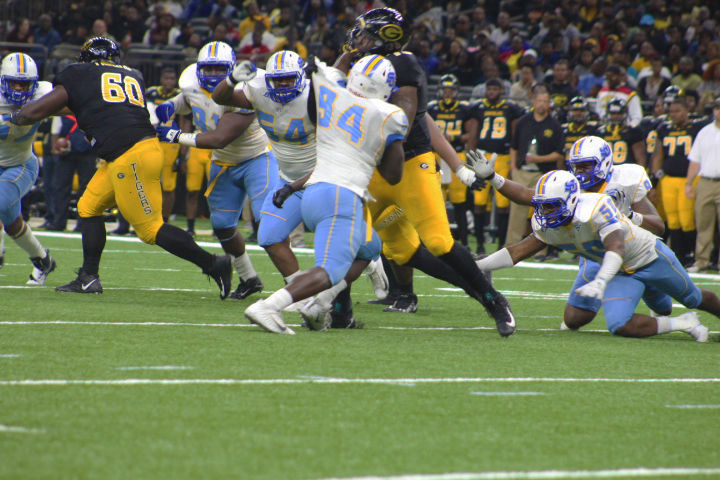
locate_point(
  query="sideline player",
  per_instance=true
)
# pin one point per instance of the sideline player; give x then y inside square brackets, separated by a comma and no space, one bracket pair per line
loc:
[633,262]
[107,100]
[357,131]
[578,127]
[242,163]
[628,184]
[626,142]
[18,164]
[418,194]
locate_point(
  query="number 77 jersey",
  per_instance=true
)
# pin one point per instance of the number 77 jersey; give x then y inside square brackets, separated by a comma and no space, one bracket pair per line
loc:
[352,133]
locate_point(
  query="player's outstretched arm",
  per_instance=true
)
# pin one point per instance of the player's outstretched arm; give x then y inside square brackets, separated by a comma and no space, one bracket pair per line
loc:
[485,169]
[230,127]
[509,256]
[646,216]
[225,92]
[391,165]
[614,244]
[54,103]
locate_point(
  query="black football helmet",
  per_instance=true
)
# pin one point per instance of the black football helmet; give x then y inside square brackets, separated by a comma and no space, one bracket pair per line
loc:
[99,48]
[671,93]
[617,111]
[579,109]
[386,25]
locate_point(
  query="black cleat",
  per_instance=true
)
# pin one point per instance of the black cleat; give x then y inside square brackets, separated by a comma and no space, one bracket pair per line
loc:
[42,267]
[389,300]
[404,303]
[344,320]
[498,308]
[247,288]
[221,272]
[84,283]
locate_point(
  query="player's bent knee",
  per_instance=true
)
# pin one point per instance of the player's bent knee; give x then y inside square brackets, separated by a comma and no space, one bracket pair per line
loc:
[370,250]
[575,318]
[693,298]
[88,208]
[223,220]
[439,244]
[147,232]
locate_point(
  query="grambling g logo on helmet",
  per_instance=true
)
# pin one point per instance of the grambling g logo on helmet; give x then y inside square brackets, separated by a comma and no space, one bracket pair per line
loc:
[391,33]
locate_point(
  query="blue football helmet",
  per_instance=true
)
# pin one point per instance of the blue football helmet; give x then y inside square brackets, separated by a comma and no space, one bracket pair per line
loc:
[18,67]
[214,53]
[591,161]
[285,64]
[555,199]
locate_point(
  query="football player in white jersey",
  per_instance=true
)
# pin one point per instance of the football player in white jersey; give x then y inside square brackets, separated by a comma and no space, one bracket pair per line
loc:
[631,259]
[357,132]
[242,163]
[18,164]
[591,161]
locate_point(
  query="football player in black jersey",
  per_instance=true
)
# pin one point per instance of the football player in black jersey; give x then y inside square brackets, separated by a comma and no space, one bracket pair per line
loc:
[107,99]
[627,142]
[383,31]
[579,125]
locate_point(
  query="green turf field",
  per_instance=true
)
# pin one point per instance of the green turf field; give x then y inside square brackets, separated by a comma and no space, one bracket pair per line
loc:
[159,379]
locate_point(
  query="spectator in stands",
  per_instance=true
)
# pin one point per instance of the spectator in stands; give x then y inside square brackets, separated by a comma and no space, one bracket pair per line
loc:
[463,32]
[291,42]
[710,86]
[99,29]
[45,34]
[686,77]
[617,88]
[259,46]
[582,67]
[511,52]
[490,72]
[316,31]
[589,12]
[198,8]
[78,35]
[479,22]
[132,26]
[521,91]
[644,57]
[163,33]
[427,57]
[254,15]
[21,33]
[652,86]
[561,91]
[501,33]
[465,69]
[448,60]
[221,33]
[222,10]
[280,20]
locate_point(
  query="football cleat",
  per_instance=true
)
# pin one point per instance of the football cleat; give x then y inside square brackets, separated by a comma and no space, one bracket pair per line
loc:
[389,300]
[221,272]
[316,315]
[247,288]
[344,320]
[267,318]
[84,283]
[379,280]
[693,326]
[41,269]
[404,303]
[2,257]
[498,308]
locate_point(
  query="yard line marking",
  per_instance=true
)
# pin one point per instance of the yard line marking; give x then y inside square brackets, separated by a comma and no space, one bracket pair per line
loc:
[157,367]
[507,394]
[16,429]
[335,380]
[10,355]
[544,474]
[690,407]
[161,270]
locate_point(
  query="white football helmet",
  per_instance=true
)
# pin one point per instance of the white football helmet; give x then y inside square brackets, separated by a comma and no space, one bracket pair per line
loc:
[555,198]
[591,161]
[285,64]
[214,53]
[18,67]
[372,76]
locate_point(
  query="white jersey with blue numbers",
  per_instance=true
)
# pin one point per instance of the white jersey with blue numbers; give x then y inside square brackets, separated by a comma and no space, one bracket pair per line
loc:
[287,125]
[206,114]
[16,140]
[628,184]
[352,133]
[595,217]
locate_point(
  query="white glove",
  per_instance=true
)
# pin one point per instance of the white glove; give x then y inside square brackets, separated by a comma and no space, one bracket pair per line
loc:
[594,289]
[243,72]
[466,175]
[482,167]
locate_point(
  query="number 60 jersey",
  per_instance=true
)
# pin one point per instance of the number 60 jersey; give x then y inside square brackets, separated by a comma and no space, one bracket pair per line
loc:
[107,98]
[595,217]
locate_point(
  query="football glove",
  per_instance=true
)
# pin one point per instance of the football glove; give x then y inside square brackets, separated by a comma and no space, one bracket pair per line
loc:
[281,195]
[243,72]
[655,178]
[310,66]
[594,289]
[467,176]
[483,168]
[165,111]
[168,134]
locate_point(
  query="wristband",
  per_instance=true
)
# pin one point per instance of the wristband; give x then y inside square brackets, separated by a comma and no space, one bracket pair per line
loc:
[636,218]
[230,81]
[497,181]
[188,139]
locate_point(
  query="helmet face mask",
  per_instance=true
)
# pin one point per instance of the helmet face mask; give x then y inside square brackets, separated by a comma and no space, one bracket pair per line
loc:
[448,86]
[218,55]
[386,27]
[616,112]
[99,49]
[18,70]
[372,76]
[285,76]
[590,161]
[555,199]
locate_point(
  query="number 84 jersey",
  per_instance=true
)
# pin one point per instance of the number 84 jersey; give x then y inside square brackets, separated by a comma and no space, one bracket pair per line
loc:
[595,217]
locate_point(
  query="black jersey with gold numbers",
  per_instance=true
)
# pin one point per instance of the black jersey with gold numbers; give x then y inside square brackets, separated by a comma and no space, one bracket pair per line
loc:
[649,126]
[495,124]
[158,94]
[410,73]
[575,131]
[109,104]
[621,138]
[676,143]
[450,118]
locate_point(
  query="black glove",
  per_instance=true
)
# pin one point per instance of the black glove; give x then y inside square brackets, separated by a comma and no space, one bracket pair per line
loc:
[310,66]
[281,195]
[478,184]
[655,178]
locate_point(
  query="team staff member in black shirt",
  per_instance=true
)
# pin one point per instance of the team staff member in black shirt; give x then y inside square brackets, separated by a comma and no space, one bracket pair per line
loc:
[535,149]
[107,100]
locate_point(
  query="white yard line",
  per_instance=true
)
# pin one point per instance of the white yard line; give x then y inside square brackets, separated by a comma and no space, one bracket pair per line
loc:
[157,367]
[508,394]
[10,355]
[335,381]
[16,429]
[548,474]
[692,407]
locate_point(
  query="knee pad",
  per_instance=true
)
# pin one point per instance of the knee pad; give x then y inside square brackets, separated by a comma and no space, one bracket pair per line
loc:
[223,219]
[370,250]
[439,244]
[147,232]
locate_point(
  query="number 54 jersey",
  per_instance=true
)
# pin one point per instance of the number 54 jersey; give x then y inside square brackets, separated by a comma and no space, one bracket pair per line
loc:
[595,217]
[16,140]
[107,98]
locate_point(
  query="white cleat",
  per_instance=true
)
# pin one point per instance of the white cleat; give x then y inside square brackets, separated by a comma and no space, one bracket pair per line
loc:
[376,273]
[563,326]
[316,314]
[42,267]
[267,318]
[693,326]
[297,306]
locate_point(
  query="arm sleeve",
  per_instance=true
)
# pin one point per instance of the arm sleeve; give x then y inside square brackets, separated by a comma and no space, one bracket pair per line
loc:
[395,127]
[56,126]
[643,188]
